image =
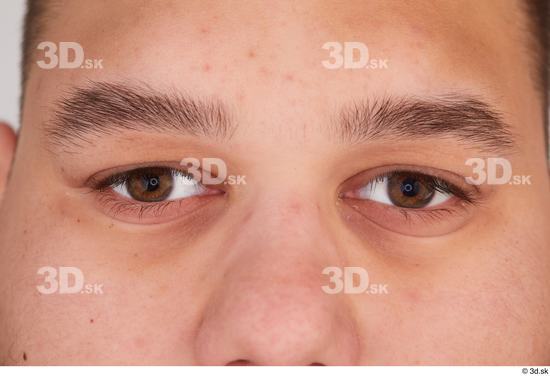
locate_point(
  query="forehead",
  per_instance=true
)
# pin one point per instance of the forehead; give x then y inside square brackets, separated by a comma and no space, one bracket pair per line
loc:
[256,50]
[183,37]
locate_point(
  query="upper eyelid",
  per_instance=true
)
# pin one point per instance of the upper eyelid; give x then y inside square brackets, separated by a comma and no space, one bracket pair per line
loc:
[95,179]
[435,178]
[117,179]
[419,170]
[450,177]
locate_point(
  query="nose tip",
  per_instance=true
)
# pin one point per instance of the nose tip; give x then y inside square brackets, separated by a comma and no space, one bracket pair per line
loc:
[262,318]
[270,308]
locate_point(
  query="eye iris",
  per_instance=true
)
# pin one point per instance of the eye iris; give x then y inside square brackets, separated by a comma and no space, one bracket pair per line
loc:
[409,190]
[150,185]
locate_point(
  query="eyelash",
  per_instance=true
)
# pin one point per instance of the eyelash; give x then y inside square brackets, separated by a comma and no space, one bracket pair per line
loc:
[426,215]
[438,184]
[121,178]
[464,197]
[119,206]
[116,206]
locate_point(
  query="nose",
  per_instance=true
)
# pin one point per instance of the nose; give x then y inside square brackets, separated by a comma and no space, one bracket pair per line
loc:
[270,308]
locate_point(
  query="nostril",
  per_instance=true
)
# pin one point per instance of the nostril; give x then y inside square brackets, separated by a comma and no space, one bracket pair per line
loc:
[239,362]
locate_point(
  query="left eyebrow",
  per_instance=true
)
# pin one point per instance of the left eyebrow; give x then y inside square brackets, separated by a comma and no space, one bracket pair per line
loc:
[466,119]
[104,108]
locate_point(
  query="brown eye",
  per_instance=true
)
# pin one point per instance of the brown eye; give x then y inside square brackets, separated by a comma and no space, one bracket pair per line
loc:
[405,189]
[150,184]
[155,184]
[408,190]
[408,201]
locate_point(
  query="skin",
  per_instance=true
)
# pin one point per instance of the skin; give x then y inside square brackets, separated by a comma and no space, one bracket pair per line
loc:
[237,279]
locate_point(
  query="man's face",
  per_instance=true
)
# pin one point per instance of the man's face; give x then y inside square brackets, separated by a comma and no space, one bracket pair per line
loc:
[333,168]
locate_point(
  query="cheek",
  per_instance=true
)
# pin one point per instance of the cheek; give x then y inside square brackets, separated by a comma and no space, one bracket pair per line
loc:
[128,288]
[123,299]
[485,300]
[476,306]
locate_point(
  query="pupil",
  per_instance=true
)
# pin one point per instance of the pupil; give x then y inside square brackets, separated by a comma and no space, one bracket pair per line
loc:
[409,187]
[151,183]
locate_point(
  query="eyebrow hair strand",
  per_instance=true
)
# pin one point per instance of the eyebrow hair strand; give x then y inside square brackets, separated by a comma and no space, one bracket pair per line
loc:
[466,119]
[104,108]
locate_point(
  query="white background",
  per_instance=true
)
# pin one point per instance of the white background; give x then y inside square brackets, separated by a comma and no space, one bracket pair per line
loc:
[11,24]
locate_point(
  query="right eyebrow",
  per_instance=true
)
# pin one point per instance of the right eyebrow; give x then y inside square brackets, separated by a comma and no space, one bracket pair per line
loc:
[466,119]
[105,108]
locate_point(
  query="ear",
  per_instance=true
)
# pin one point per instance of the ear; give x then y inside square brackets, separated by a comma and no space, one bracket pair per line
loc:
[8,140]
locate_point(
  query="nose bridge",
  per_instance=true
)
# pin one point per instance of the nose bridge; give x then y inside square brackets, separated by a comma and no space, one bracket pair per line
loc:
[270,308]
[293,215]
[286,230]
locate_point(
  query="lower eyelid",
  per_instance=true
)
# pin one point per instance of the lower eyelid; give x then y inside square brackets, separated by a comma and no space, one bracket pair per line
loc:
[131,211]
[117,204]
[410,222]
[452,204]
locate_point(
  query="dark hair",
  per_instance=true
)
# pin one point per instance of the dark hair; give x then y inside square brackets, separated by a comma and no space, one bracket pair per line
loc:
[538,11]
[32,28]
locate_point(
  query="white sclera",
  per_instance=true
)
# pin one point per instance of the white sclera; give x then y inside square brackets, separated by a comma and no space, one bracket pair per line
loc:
[183,186]
[377,190]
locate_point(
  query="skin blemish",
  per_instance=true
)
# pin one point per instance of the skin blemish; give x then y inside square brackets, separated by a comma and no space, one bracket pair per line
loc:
[24,356]
[206,68]
[91,321]
[289,77]
[251,54]
[78,220]
[204,30]
[265,72]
